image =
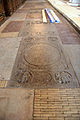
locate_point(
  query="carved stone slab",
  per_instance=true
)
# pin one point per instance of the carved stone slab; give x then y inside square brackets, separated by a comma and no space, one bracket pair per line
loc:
[42,63]
[38,29]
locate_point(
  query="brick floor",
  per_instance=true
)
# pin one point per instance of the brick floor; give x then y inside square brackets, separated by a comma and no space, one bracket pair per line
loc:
[57,104]
[3,83]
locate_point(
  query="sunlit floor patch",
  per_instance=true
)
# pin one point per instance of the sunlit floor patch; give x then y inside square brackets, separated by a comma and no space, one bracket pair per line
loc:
[3,83]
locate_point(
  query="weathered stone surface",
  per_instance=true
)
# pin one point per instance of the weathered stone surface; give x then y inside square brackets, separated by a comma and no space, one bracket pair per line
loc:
[33,16]
[74,52]
[42,63]
[38,29]
[13,26]
[8,53]
[18,17]
[16,104]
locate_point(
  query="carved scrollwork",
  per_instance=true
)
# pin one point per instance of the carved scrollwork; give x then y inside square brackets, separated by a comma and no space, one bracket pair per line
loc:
[63,77]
